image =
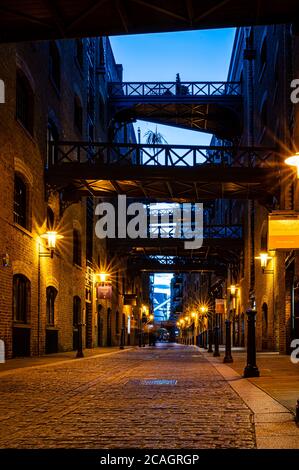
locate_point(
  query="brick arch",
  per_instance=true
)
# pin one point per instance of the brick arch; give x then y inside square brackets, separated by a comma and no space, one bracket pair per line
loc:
[20,267]
[52,281]
[23,169]
[77,225]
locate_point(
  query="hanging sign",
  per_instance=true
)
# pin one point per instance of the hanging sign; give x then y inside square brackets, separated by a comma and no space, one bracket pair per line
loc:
[220,306]
[104,292]
[283,231]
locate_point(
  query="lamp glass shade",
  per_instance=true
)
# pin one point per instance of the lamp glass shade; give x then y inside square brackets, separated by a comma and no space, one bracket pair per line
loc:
[293,161]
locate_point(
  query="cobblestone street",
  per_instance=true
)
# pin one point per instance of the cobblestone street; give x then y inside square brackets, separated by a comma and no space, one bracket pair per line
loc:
[164,397]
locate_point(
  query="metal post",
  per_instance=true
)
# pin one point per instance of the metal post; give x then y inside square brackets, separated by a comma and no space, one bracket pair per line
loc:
[122,338]
[216,341]
[80,341]
[206,339]
[228,343]
[251,369]
[210,337]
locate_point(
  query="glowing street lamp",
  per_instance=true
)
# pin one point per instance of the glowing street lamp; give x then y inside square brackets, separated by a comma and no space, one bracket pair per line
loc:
[193,314]
[233,289]
[103,276]
[52,238]
[203,309]
[293,160]
[264,258]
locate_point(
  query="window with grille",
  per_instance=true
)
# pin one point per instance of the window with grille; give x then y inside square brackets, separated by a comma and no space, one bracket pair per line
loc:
[20,202]
[52,137]
[21,298]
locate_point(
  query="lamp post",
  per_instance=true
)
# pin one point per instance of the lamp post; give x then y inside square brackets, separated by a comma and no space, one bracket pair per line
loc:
[251,369]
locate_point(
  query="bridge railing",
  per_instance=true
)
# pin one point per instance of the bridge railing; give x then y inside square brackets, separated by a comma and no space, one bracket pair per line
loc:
[176,89]
[161,155]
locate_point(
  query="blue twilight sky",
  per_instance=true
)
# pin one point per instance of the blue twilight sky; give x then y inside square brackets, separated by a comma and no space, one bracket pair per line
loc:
[195,55]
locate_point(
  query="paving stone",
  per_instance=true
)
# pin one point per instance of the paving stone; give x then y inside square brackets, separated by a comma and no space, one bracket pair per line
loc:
[103,403]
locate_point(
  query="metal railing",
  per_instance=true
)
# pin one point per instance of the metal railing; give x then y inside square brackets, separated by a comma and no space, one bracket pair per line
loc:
[162,155]
[167,89]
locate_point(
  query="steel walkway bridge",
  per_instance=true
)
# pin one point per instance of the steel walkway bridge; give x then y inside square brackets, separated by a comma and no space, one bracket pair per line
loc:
[174,173]
[166,264]
[213,107]
[39,19]
[213,235]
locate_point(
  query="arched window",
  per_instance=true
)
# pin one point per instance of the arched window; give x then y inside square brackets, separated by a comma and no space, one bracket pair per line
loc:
[21,298]
[80,52]
[76,311]
[54,65]
[24,102]
[50,219]
[20,202]
[76,247]
[51,296]
[78,114]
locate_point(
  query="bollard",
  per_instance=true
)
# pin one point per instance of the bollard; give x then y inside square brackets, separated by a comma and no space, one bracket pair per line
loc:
[251,369]
[228,343]
[210,335]
[216,341]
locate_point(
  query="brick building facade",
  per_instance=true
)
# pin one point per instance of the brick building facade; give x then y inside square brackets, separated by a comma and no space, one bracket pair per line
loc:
[56,91]
[264,59]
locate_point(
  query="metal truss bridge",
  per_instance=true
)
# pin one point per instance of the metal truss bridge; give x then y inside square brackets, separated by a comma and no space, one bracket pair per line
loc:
[174,173]
[214,107]
[223,236]
[169,264]
[39,19]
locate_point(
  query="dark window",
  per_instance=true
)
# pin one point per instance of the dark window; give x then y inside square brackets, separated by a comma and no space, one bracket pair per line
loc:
[53,136]
[117,322]
[79,52]
[263,55]
[264,116]
[24,102]
[76,311]
[21,298]
[20,202]
[50,219]
[78,114]
[76,247]
[51,296]
[102,112]
[54,65]
[89,227]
